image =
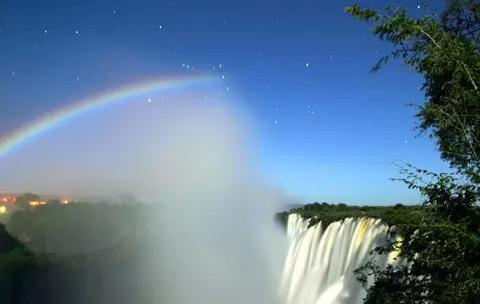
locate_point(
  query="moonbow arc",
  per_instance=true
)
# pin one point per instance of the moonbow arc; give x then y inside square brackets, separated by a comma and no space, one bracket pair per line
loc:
[83,106]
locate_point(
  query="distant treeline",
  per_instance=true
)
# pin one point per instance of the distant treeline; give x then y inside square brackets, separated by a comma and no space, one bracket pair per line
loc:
[76,253]
[328,213]
[73,228]
[91,253]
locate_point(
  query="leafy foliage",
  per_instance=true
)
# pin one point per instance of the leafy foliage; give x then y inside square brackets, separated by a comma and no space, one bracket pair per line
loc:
[329,213]
[445,50]
[444,247]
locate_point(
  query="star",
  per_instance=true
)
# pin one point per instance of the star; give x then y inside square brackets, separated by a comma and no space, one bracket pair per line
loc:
[219,65]
[307,64]
[228,88]
[418,6]
[78,78]
[45,31]
[114,11]
[276,121]
[13,73]
[149,100]
[223,76]
[76,32]
[160,27]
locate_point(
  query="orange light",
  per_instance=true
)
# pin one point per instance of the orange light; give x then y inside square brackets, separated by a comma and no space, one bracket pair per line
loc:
[4,199]
[33,203]
[65,202]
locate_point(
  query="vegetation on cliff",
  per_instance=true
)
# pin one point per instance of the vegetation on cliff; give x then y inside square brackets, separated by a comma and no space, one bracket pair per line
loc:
[328,213]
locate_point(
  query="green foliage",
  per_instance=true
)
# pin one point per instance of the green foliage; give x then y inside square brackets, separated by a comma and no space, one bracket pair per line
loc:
[329,213]
[445,245]
[445,50]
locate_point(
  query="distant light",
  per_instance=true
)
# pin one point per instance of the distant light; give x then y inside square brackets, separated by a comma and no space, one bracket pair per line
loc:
[3,209]
[149,100]
[76,32]
[307,64]
[160,27]
[4,199]
[45,31]
[65,202]
[418,6]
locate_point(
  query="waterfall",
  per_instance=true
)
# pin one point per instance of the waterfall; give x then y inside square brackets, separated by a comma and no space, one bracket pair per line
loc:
[319,264]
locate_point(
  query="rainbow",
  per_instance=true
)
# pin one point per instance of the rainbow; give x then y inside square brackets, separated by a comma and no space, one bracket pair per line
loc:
[83,106]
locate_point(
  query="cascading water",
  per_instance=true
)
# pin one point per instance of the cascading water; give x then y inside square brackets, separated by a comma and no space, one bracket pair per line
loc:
[319,264]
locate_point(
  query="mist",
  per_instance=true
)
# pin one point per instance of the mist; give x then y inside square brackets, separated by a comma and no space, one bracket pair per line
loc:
[213,239]
[209,236]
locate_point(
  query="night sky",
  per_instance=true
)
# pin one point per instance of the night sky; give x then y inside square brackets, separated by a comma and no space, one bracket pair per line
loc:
[327,128]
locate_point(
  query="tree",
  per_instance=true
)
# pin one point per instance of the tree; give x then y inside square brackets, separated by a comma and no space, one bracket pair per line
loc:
[23,200]
[54,202]
[445,245]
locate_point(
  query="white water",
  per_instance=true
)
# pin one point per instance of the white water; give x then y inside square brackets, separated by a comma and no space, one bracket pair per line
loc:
[319,264]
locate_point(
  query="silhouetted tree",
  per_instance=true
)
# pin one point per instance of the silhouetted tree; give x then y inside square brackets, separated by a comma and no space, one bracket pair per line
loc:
[23,200]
